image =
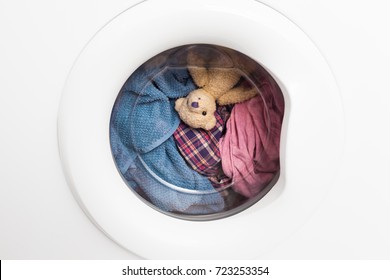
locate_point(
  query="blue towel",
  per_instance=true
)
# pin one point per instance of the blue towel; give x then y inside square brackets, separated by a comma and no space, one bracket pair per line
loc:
[141,128]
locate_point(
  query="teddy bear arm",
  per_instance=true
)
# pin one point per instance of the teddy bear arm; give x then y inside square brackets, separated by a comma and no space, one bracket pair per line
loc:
[200,75]
[221,80]
[210,124]
[237,95]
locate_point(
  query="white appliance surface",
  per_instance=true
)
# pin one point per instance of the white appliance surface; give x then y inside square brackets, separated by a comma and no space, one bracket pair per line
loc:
[39,217]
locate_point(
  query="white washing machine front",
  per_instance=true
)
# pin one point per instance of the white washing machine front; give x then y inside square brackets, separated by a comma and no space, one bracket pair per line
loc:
[249,27]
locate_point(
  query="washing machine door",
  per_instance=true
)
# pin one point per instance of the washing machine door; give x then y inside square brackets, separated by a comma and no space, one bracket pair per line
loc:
[311,136]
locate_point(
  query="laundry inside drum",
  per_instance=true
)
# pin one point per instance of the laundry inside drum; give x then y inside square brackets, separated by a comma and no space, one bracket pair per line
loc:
[195,132]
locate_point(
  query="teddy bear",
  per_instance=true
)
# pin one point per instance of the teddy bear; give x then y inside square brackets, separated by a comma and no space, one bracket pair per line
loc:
[222,85]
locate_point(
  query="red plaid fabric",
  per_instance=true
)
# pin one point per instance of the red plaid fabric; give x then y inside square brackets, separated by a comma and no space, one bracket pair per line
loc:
[200,148]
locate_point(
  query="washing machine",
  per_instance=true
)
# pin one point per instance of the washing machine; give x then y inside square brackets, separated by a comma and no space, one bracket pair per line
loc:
[207,129]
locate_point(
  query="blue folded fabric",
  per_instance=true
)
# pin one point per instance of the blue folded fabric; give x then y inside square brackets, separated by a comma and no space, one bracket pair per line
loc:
[142,124]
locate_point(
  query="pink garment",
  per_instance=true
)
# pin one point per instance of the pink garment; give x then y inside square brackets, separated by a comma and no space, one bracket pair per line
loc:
[250,147]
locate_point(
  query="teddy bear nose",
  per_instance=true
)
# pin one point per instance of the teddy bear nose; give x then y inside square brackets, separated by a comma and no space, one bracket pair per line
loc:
[195,104]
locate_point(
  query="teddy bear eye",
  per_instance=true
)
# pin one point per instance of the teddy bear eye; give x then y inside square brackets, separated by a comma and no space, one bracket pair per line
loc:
[204,113]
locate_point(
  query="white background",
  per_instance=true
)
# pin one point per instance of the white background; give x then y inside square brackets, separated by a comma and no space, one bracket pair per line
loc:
[39,218]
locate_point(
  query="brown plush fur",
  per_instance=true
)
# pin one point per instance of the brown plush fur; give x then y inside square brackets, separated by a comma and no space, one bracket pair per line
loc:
[215,85]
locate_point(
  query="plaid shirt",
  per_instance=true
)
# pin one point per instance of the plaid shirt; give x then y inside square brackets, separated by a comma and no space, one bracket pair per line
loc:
[200,148]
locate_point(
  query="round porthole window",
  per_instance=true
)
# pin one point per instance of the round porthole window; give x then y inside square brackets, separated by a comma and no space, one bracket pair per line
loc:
[195,131]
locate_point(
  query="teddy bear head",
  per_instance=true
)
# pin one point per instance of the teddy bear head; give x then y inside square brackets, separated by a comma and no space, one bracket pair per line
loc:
[197,109]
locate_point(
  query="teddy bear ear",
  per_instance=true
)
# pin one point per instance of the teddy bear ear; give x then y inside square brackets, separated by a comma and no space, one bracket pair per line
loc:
[178,103]
[211,124]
